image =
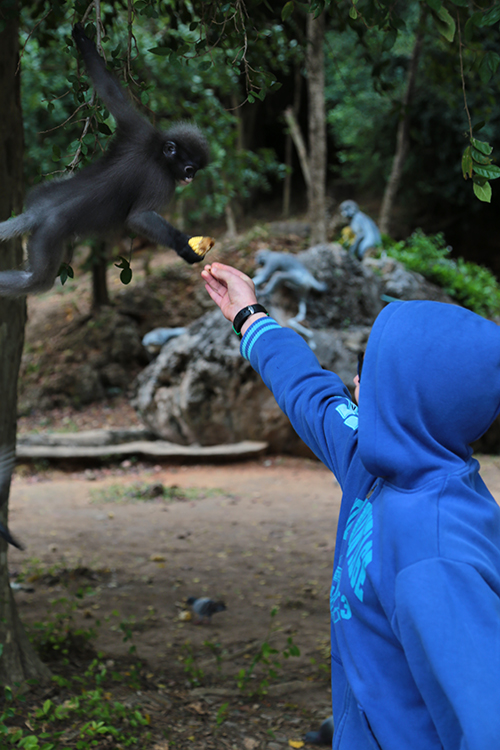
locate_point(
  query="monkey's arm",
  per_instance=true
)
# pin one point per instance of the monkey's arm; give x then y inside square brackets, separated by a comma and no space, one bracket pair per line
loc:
[105,84]
[153,226]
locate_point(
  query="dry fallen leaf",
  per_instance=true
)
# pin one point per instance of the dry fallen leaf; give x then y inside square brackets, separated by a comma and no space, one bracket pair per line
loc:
[197,708]
[250,744]
[295,743]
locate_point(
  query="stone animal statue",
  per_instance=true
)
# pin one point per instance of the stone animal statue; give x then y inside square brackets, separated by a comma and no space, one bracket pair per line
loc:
[156,338]
[283,269]
[366,232]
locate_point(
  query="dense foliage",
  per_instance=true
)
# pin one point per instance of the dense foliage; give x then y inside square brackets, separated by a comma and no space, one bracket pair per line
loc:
[472,285]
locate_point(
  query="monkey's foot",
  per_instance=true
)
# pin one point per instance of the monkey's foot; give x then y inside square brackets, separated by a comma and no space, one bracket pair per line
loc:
[201,245]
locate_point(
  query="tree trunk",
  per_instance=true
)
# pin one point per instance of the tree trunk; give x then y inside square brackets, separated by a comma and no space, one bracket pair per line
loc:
[315,66]
[18,660]
[287,186]
[402,141]
[99,261]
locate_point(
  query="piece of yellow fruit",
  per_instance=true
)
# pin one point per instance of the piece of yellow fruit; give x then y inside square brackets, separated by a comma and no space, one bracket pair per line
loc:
[201,245]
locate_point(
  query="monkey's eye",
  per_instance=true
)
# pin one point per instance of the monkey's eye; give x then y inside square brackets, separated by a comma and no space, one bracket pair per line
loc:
[170,148]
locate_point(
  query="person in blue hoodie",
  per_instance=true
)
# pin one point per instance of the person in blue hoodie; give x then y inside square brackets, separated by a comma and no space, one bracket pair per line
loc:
[415,597]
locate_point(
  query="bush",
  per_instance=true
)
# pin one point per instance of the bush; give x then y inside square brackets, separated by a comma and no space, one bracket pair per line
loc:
[474,286]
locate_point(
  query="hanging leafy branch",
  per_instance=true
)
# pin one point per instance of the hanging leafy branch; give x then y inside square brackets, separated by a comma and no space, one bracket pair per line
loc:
[477,163]
[477,160]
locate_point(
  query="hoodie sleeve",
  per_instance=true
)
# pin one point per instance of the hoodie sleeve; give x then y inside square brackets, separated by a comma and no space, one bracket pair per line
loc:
[315,400]
[448,619]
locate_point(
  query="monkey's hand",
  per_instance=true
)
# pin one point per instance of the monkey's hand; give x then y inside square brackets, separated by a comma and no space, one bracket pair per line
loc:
[201,245]
[195,248]
[81,39]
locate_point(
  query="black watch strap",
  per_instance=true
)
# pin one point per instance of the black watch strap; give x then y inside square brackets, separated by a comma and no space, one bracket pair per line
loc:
[245,313]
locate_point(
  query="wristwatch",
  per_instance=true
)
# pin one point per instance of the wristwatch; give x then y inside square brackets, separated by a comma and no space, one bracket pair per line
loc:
[244,314]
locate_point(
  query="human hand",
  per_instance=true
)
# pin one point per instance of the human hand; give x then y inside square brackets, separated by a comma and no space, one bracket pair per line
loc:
[230,289]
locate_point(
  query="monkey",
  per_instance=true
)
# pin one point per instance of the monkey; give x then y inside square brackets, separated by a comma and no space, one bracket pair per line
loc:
[367,234]
[125,188]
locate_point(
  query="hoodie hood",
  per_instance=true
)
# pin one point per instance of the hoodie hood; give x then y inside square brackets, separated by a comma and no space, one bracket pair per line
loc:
[430,386]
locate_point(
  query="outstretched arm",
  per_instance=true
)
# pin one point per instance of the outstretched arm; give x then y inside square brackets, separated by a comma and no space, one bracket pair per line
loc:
[105,84]
[153,226]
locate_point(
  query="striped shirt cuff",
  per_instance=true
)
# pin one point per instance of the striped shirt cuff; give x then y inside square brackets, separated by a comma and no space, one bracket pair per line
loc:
[256,330]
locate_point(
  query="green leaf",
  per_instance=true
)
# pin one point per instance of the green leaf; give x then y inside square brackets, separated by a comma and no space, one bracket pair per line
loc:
[483,192]
[491,172]
[287,11]
[435,5]
[482,146]
[389,39]
[104,129]
[467,163]
[479,158]
[126,275]
[491,16]
[445,24]
[353,13]
[461,3]
[493,61]
[65,272]
[161,51]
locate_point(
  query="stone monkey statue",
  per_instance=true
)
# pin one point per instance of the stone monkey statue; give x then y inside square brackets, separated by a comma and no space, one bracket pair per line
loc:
[283,269]
[367,234]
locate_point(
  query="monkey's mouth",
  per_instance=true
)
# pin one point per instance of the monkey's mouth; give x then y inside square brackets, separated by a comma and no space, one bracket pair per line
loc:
[186,181]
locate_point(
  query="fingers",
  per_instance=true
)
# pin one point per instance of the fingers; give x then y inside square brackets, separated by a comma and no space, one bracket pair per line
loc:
[228,273]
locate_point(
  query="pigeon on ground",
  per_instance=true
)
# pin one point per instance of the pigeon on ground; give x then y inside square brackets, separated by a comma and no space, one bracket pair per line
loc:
[204,608]
[7,461]
[323,736]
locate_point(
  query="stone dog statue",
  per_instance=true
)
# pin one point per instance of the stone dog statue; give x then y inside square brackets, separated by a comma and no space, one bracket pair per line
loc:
[366,232]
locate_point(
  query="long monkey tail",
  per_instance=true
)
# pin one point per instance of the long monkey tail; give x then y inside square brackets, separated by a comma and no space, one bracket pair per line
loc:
[16,226]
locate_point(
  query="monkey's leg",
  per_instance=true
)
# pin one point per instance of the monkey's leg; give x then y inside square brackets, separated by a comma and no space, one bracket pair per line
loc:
[277,280]
[45,250]
[353,250]
[153,226]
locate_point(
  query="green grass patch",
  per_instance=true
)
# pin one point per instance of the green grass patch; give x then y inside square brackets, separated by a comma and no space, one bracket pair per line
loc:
[144,491]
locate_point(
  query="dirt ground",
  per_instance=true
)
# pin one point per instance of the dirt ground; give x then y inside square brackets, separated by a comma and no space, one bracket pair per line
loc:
[256,534]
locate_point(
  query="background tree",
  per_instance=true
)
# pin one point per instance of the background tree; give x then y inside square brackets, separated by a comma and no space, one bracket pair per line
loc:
[18,660]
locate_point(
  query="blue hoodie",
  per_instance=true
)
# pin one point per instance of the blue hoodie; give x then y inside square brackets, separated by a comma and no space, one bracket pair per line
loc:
[415,598]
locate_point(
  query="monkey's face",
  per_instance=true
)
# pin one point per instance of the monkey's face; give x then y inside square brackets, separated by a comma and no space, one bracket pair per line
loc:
[182,164]
[348,209]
